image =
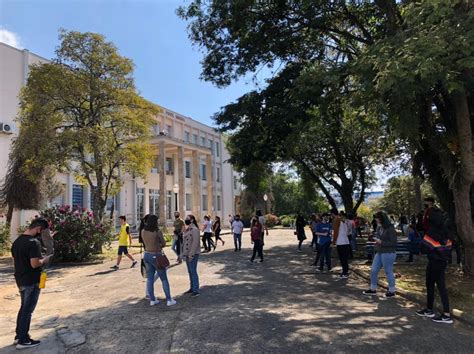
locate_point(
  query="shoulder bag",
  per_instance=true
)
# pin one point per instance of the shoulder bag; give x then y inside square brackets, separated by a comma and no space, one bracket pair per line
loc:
[162,262]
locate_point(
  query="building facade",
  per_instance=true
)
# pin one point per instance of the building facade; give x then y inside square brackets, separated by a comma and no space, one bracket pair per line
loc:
[190,173]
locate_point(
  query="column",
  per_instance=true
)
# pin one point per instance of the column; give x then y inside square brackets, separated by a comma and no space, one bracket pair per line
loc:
[196,196]
[161,171]
[181,183]
[210,183]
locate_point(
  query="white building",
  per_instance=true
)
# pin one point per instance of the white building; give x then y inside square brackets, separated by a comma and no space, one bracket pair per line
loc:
[189,175]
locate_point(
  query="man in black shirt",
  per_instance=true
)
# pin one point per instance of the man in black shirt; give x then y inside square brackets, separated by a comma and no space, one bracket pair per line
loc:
[26,252]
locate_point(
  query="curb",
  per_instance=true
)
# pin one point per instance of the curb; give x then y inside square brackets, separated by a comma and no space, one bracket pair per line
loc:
[456,314]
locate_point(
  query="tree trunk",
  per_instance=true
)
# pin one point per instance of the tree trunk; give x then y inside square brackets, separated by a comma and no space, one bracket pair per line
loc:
[465,227]
[10,214]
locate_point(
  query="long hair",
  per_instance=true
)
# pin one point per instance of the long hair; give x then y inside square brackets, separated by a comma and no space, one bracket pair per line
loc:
[152,223]
[386,223]
[255,222]
[193,220]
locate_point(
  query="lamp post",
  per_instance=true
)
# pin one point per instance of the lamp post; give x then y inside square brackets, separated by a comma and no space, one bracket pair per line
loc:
[176,191]
[265,198]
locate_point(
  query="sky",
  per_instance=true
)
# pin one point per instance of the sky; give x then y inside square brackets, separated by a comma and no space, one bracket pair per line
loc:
[167,66]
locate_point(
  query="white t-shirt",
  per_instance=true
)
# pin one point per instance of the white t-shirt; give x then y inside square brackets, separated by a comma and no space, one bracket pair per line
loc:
[237,227]
[208,226]
[342,238]
[261,220]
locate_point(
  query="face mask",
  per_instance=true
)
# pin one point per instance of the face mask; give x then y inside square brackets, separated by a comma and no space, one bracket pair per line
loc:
[187,222]
[426,206]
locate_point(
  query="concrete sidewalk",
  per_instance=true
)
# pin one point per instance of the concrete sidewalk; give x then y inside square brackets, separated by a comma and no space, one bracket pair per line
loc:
[277,306]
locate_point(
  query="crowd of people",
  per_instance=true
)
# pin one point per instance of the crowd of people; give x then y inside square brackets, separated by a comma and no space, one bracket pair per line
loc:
[429,233]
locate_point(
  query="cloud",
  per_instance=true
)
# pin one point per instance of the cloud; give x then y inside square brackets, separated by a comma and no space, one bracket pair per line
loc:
[10,38]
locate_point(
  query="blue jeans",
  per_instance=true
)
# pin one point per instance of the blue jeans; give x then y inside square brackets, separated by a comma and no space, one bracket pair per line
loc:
[386,261]
[238,241]
[29,298]
[192,271]
[325,254]
[151,269]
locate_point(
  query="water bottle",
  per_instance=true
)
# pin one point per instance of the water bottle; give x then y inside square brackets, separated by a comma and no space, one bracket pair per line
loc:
[42,283]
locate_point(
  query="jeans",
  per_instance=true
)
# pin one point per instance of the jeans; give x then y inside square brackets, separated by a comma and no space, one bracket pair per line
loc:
[435,275]
[386,261]
[325,254]
[192,271]
[238,241]
[29,298]
[343,252]
[354,241]
[151,269]
[257,248]
[207,241]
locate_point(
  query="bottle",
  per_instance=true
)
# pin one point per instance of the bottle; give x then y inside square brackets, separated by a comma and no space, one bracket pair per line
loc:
[42,283]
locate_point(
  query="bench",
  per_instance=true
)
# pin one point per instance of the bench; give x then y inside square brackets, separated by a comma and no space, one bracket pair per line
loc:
[403,248]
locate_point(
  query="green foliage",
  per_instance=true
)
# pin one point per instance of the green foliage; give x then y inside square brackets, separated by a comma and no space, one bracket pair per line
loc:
[77,233]
[84,107]
[287,220]
[4,238]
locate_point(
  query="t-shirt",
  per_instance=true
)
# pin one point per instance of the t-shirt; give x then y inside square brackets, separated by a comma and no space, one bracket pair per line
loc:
[342,237]
[261,220]
[124,232]
[24,248]
[178,225]
[208,226]
[326,228]
[237,227]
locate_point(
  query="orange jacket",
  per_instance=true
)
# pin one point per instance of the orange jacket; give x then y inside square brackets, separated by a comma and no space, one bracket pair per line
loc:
[336,222]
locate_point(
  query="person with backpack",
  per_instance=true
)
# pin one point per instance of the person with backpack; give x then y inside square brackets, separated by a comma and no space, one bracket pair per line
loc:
[437,245]
[256,237]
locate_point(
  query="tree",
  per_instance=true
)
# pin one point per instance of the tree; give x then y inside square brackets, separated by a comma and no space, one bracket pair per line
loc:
[86,104]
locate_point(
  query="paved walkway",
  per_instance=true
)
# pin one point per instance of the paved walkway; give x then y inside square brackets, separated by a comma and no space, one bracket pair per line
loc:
[277,306]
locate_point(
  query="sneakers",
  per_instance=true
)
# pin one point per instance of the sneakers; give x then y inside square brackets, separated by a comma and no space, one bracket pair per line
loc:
[299,250]
[250,260]
[344,276]
[260,261]
[115,267]
[155,302]
[189,291]
[134,263]
[370,292]
[442,319]
[30,344]
[171,302]
[389,295]
[195,294]
[425,313]
[318,270]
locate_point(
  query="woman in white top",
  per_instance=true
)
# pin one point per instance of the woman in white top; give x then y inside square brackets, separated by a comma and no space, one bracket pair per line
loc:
[343,244]
[207,236]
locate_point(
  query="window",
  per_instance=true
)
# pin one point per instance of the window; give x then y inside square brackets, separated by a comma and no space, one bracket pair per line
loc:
[195,139]
[154,167]
[204,202]
[186,137]
[60,199]
[217,149]
[211,145]
[169,130]
[169,204]
[169,166]
[218,174]
[218,202]
[203,172]
[203,141]
[187,169]
[188,202]
[235,182]
[156,129]
[140,203]
[154,202]
[77,195]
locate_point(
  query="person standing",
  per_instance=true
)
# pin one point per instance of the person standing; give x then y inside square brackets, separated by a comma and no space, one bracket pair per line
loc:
[314,221]
[438,253]
[323,230]
[178,226]
[341,240]
[263,222]
[385,255]
[125,239]
[237,229]
[154,242]
[414,245]
[28,261]
[190,250]
[300,223]
[230,218]
[216,228]
[207,234]
[256,237]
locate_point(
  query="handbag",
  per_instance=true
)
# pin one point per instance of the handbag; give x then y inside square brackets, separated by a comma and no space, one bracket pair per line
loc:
[162,262]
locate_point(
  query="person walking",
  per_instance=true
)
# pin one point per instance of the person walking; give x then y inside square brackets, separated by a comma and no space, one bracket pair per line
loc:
[207,234]
[154,242]
[300,223]
[385,255]
[190,253]
[256,237]
[28,262]
[323,230]
[341,240]
[125,239]
[263,222]
[237,229]
[437,246]
[178,228]
[216,228]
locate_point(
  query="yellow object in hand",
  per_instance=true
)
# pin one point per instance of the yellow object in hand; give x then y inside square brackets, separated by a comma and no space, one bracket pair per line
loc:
[42,283]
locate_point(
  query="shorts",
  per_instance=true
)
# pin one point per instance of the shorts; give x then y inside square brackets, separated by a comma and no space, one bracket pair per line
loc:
[122,250]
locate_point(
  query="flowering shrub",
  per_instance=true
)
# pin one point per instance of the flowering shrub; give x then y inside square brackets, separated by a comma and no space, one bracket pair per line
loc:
[4,238]
[271,220]
[77,233]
